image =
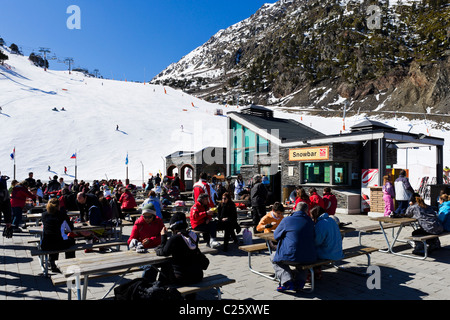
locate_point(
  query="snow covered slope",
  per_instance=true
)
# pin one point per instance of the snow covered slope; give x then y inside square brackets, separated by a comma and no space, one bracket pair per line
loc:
[149,118]
[149,122]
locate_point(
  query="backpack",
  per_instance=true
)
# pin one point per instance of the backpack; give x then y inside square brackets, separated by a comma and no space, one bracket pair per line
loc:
[95,216]
[3,190]
[144,290]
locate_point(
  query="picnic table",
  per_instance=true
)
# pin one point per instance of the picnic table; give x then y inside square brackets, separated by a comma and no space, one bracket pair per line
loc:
[347,254]
[268,236]
[37,217]
[78,228]
[123,262]
[401,222]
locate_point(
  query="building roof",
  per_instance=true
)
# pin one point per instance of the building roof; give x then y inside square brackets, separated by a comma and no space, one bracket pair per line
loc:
[288,129]
[371,125]
[179,154]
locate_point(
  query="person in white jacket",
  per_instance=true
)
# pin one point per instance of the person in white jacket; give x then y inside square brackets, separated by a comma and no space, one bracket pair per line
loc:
[238,186]
[403,193]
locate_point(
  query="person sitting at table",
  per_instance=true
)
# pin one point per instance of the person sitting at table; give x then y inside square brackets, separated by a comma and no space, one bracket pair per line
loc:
[327,238]
[294,193]
[302,196]
[428,224]
[127,201]
[272,219]
[295,236]
[146,234]
[146,231]
[84,202]
[227,215]
[53,238]
[201,220]
[315,199]
[185,267]
[330,201]
[444,211]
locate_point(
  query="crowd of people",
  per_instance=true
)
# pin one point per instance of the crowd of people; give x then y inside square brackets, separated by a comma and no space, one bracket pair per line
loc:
[309,233]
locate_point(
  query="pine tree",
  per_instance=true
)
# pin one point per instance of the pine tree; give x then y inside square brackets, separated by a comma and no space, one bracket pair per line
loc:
[14,48]
[3,57]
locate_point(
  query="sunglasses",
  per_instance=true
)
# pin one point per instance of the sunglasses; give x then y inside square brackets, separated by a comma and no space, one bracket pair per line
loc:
[148,217]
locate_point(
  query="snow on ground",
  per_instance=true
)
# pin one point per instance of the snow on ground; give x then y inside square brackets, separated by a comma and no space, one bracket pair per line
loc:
[149,119]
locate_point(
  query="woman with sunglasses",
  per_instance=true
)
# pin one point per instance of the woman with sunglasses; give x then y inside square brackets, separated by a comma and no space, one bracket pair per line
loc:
[147,230]
[227,215]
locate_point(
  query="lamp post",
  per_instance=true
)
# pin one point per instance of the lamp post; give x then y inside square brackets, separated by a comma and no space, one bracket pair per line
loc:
[142,173]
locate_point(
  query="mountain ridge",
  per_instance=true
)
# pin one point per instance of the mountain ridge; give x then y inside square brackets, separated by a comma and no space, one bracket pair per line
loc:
[322,55]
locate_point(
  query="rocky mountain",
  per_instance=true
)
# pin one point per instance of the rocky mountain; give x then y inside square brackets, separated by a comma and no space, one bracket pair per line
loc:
[370,56]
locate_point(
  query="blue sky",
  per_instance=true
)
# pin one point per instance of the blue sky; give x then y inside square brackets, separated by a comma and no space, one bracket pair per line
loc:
[124,39]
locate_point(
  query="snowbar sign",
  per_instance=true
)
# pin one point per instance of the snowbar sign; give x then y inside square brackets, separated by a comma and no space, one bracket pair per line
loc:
[309,154]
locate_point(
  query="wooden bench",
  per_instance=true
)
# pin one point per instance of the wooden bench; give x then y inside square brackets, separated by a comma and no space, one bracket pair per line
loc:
[216,281]
[373,228]
[44,254]
[348,254]
[211,282]
[423,239]
[256,248]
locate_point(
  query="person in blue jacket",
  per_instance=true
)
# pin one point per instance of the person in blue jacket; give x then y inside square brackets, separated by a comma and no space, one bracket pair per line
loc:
[444,211]
[295,237]
[328,238]
[153,199]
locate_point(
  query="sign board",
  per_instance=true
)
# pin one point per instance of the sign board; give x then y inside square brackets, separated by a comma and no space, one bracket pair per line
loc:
[369,178]
[309,154]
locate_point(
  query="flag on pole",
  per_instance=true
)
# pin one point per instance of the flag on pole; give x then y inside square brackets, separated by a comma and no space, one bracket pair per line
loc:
[126,160]
[13,154]
[74,156]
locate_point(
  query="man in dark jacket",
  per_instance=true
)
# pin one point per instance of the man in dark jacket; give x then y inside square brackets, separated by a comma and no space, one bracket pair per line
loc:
[295,236]
[85,201]
[5,202]
[53,186]
[258,196]
[30,180]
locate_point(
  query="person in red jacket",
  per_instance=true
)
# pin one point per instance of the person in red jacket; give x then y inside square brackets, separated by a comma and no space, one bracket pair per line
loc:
[19,197]
[202,186]
[128,203]
[201,220]
[315,199]
[302,197]
[146,234]
[146,231]
[330,201]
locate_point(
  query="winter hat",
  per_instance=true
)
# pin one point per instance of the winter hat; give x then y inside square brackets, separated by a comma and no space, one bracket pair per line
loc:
[178,221]
[144,211]
[149,206]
